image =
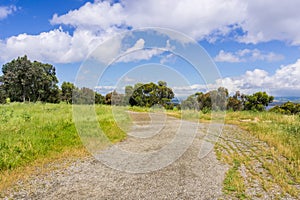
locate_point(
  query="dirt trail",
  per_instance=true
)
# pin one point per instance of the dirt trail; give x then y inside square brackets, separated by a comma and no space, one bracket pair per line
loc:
[257,164]
[186,178]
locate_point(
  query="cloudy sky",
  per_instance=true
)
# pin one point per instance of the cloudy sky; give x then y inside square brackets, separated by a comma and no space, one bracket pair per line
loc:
[254,44]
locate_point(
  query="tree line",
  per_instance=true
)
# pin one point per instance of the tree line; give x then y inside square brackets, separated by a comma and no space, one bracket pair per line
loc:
[24,80]
[219,99]
[27,81]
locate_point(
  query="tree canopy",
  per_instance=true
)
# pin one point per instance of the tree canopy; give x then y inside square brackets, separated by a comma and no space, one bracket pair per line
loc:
[149,94]
[258,101]
[24,80]
[287,108]
[67,91]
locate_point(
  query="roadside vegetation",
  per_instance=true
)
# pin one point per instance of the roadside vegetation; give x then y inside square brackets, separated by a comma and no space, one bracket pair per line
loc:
[272,141]
[263,153]
[31,133]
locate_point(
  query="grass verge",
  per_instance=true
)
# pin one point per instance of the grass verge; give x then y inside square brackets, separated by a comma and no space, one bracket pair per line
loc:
[280,158]
[34,134]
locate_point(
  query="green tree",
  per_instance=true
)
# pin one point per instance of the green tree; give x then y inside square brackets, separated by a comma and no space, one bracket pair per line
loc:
[204,101]
[99,99]
[162,83]
[24,80]
[219,98]
[2,94]
[150,94]
[213,100]
[44,83]
[67,89]
[17,76]
[257,101]
[287,108]
[128,93]
[83,96]
[235,102]
[114,98]
[191,103]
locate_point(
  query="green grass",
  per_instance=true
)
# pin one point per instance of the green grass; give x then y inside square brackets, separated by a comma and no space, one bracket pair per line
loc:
[279,131]
[233,182]
[32,132]
[282,135]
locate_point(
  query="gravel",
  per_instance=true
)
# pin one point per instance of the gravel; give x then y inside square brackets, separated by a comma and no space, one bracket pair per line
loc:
[188,177]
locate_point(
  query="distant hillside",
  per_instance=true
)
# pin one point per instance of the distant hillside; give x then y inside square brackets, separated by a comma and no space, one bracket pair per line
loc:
[281,100]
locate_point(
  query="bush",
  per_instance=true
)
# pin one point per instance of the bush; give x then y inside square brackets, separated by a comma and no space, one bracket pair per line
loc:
[7,100]
[287,108]
[258,101]
[206,110]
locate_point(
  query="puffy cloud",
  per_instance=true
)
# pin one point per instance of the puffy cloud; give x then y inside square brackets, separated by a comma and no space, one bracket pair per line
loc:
[99,14]
[169,58]
[247,55]
[193,17]
[260,20]
[210,19]
[271,20]
[137,52]
[285,81]
[138,55]
[227,57]
[54,46]
[104,89]
[6,10]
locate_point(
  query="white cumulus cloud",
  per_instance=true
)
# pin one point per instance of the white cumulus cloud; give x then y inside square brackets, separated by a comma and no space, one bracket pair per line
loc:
[285,81]
[271,20]
[54,46]
[100,15]
[94,22]
[227,57]
[260,20]
[6,10]
[247,55]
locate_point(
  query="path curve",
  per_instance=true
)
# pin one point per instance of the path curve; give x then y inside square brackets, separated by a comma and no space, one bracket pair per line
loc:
[187,178]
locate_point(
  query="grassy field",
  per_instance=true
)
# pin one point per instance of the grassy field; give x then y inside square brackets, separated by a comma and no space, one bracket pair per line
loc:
[33,134]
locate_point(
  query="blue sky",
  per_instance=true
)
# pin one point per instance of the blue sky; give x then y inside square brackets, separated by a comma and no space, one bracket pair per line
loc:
[255,45]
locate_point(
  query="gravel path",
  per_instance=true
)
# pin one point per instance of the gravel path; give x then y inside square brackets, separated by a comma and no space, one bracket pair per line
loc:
[188,177]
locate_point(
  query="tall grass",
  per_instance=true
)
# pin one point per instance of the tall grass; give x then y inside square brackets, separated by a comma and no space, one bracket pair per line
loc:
[278,130]
[31,132]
